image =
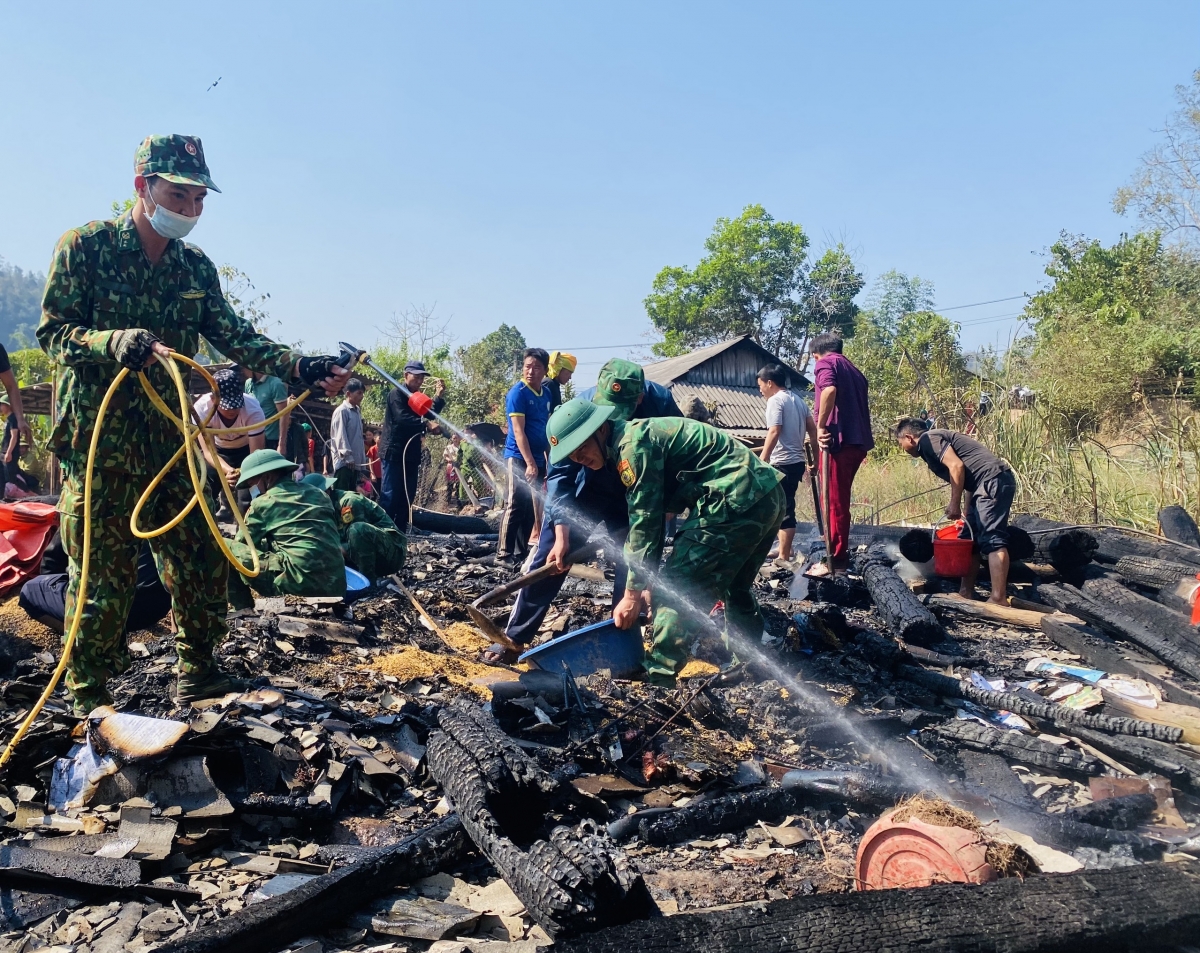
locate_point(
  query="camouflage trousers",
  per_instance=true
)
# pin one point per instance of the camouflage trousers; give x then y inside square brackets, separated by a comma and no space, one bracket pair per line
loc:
[373,551]
[710,563]
[189,563]
[276,577]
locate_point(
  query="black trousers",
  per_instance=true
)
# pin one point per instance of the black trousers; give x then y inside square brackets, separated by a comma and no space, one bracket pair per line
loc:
[793,473]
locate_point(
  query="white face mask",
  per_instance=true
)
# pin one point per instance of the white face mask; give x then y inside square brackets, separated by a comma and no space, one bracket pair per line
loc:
[170,224]
[254,492]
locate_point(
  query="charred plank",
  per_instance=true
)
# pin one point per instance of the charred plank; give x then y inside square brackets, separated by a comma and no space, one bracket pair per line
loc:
[1018,747]
[1097,910]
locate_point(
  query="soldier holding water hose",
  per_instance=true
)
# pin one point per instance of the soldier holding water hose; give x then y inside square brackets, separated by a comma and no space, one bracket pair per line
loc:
[118,294]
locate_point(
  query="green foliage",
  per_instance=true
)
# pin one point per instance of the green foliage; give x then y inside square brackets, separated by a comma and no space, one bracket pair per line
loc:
[487,370]
[754,280]
[392,356]
[20,305]
[911,358]
[1115,323]
[31,366]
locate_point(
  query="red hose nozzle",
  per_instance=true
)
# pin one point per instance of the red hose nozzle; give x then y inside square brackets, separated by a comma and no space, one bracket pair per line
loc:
[420,403]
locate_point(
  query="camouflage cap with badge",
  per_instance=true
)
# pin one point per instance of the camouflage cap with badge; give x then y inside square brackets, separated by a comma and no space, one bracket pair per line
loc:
[620,385]
[178,159]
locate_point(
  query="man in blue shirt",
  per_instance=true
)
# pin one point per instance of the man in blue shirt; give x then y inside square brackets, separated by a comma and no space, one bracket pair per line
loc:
[527,407]
[578,499]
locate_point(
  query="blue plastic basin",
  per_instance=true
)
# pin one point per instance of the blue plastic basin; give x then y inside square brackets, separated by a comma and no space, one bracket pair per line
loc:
[356,581]
[590,649]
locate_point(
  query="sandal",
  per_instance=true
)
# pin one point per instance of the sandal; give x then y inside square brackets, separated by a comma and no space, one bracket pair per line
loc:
[497,654]
[818,571]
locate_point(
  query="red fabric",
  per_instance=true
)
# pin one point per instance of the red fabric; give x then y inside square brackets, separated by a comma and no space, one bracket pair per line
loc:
[843,465]
[376,463]
[25,531]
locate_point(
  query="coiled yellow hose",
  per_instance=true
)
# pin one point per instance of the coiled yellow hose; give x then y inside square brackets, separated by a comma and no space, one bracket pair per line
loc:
[193,430]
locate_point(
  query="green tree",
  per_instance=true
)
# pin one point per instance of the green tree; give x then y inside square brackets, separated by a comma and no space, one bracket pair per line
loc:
[1115,323]
[910,355]
[487,369]
[20,305]
[754,280]
[1165,191]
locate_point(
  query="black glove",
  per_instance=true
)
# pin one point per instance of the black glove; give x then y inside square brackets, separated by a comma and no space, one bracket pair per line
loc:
[132,347]
[314,370]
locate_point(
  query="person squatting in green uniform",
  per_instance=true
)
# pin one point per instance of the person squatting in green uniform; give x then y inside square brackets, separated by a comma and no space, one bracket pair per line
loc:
[292,527]
[668,465]
[371,541]
[118,293]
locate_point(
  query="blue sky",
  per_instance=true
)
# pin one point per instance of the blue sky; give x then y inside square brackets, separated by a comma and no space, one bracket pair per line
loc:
[537,164]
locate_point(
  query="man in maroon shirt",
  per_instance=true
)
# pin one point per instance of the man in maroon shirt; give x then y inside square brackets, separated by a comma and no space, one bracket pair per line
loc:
[844,433]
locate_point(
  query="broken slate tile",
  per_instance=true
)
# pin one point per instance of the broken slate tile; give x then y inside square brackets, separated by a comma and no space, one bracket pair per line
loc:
[153,834]
[424,919]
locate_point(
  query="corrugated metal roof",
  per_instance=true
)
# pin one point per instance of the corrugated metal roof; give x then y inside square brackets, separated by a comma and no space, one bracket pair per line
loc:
[673,368]
[739,409]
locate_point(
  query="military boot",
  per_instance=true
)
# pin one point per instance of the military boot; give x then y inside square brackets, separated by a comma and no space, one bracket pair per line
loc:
[83,703]
[212,684]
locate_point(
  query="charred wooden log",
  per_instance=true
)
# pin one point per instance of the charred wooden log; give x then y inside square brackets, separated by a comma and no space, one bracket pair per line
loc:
[1096,910]
[917,545]
[949,687]
[1114,544]
[1176,523]
[903,614]
[733,812]
[571,878]
[1106,588]
[1154,573]
[1171,761]
[1018,747]
[1115,619]
[849,787]
[1067,550]
[313,906]
[1120,813]
[990,780]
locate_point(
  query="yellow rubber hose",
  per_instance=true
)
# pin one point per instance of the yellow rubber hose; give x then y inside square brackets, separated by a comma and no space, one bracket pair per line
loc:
[193,430]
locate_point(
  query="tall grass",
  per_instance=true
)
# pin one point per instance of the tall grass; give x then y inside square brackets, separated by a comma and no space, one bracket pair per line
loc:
[1067,468]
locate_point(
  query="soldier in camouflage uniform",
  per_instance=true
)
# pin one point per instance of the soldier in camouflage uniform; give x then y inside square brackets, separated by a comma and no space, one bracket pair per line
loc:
[292,527]
[668,465]
[118,293]
[371,541]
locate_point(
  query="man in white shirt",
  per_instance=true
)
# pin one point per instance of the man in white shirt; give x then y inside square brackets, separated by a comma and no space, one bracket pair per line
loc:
[347,449]
[235,409]
[788,419]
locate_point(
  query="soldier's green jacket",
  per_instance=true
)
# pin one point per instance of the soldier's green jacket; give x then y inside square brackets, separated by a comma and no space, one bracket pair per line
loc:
[101,281]
[353,507]
[292,525]
[672,464]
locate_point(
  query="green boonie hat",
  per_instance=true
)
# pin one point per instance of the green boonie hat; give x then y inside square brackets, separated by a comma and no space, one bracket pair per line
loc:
[572,424]
[263,461]
[320,481]
[178,159]
[620,384]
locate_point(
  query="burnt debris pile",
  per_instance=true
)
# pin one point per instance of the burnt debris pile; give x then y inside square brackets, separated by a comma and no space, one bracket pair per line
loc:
[383,789]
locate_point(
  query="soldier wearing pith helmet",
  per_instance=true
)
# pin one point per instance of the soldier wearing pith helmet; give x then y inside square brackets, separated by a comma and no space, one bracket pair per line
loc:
[121,293]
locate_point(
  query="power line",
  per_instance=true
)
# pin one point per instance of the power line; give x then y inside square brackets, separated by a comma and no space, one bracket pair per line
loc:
[959,307]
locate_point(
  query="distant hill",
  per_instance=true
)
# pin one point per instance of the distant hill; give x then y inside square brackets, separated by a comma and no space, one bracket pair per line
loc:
[20,305]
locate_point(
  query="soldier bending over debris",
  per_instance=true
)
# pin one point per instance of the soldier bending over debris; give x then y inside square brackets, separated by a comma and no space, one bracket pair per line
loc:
[667,465]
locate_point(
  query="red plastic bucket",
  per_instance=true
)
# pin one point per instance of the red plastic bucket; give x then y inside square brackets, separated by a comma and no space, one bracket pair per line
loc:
[952,556]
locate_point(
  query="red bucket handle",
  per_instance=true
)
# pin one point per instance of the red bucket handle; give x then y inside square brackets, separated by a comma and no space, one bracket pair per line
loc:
[959,524]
